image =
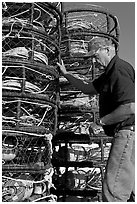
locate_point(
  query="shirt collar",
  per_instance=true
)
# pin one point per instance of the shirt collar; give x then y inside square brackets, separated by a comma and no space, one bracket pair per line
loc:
[111,63]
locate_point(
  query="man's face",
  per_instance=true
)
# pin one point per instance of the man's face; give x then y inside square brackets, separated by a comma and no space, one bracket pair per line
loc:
[101,55]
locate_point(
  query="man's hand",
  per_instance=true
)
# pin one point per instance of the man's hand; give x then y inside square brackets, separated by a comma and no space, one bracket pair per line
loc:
[62,67]
[86,88]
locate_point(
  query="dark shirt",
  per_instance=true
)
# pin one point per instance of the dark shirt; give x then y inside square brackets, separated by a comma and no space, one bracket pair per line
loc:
[115,87]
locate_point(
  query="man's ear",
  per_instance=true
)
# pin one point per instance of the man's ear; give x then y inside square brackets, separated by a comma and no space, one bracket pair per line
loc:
[108,50]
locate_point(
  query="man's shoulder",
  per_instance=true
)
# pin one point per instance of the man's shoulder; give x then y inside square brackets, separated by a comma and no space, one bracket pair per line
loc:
[124,67]
[123,64]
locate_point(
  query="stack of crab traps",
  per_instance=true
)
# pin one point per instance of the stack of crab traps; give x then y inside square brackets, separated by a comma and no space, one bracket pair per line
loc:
[80,146]
[30,94]
[80,27]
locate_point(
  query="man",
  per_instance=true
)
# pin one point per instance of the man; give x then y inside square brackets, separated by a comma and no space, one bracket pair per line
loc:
[117,116]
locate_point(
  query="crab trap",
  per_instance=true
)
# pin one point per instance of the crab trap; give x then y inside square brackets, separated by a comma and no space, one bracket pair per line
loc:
[79,117]
[27,187]
[80,179]
[30,95]
[23,151]
[80,27]
[26,166]
[31,31]
[42,17]
[33,79]
[81,152]
[30,46]
[83,67]
[25,112]
[78,112]
[93,19]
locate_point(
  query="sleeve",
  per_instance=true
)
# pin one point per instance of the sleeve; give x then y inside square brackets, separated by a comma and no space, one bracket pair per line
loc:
[123,90]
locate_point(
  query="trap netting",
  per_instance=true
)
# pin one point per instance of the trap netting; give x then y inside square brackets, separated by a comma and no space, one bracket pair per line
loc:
[79,115]
[24,77]
[42,17]
[25,112]
[79,179]
[83,152]
[30,94]
[26,166]
[29,45]
[28,32]
[91,19]
[80,26]
[25,152]
[27,187]
[77,111]
[86,68]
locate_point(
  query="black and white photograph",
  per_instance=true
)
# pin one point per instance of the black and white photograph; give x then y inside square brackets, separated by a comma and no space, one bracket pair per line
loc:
[68,101]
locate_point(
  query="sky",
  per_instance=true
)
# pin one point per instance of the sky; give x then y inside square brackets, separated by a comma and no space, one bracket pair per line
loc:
[125,12]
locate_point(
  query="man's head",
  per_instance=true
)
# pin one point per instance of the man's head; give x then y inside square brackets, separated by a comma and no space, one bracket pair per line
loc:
[103,49]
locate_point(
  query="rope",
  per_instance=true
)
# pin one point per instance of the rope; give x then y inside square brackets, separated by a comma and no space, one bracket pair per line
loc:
[27,133]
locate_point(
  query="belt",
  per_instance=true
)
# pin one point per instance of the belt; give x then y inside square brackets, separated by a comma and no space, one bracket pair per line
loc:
[131,127]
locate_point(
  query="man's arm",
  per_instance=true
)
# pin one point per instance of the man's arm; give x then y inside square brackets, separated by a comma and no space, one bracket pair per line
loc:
[120,114]
[86,88]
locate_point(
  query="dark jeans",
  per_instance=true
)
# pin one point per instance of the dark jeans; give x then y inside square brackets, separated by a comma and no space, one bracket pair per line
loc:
[119,179]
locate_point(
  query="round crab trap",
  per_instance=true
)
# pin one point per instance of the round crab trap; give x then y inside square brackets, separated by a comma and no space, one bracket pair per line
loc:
[28,113]
[77,111]
[77,122]
[25,152]
[77,118]
[94,20]
[29,45]
[42,17]
[80,27]
[80,179]
[26,187]
[34,79]
[30,95]
[31,31]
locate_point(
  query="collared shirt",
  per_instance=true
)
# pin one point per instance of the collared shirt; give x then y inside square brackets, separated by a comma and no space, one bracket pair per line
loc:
[116,86]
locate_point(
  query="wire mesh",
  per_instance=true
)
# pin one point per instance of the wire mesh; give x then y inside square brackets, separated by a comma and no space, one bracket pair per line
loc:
[29,78]
[78,112]
[28,113]
[31,31]
[82,152]
[95,20]
[79,27]
[30,95]
[29,45]
[79,179]
[23,151]
[27,187]
[43,17]
[79,119]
